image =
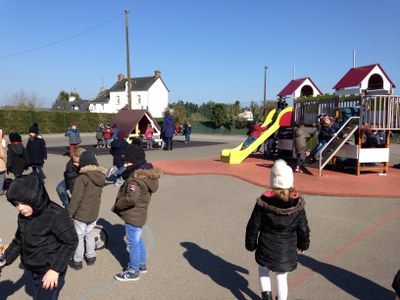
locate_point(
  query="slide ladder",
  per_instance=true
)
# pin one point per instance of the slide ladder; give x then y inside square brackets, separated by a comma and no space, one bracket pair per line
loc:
[236,155]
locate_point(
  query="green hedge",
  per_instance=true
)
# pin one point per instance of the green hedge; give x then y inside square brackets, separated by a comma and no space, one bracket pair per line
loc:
[51,122]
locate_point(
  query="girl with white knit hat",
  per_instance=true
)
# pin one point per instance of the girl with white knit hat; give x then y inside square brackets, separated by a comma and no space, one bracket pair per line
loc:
[277,230]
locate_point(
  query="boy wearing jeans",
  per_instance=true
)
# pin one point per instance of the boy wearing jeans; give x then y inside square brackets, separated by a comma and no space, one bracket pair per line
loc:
[141,181]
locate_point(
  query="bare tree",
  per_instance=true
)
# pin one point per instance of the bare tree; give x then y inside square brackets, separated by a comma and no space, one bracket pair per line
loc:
[23,101]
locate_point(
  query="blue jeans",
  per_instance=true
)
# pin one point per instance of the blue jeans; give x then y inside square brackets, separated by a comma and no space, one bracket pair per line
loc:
[39,293]
[317,150]
[137,249]
[2,178]
[62,193]
[249,141]
[39,170]
[187,138]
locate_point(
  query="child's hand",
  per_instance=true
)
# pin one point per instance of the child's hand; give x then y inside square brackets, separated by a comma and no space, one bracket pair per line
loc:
[50,279]
[300,251]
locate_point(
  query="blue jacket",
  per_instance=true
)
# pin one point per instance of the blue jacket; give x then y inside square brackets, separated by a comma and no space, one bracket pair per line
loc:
[74,136]
[168,127]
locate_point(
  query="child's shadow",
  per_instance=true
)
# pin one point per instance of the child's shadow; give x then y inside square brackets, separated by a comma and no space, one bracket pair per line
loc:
[220,271]
[8,288]
[116,243]
[353,284]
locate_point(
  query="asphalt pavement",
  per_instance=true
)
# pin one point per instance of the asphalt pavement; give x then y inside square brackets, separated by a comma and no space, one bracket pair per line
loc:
[195,238]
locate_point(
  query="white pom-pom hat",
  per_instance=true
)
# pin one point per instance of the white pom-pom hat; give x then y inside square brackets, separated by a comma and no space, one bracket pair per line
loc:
[281,175]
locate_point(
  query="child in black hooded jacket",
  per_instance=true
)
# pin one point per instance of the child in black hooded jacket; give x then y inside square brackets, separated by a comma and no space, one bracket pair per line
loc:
[45,239]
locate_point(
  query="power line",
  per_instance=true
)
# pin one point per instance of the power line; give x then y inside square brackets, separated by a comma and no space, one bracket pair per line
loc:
[62,40]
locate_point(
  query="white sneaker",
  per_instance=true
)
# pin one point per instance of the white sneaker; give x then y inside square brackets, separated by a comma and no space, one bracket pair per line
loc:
[119,182]
[111,171]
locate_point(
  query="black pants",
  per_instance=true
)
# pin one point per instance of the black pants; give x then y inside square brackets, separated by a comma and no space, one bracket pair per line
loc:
[39,293]
[168,143]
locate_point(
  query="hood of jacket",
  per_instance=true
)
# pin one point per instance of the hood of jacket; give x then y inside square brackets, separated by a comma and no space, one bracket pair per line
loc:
[30,190]
[17,148]
[149,177]
[96,174]
[279,207]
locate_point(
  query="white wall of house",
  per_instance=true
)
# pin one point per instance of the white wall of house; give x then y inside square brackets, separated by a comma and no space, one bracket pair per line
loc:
[158,95]
[376,70]
[154,100]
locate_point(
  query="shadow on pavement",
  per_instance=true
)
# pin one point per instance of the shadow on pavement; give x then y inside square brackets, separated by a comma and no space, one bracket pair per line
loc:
[220,271]
[8,288]
[357,286]
[116,244]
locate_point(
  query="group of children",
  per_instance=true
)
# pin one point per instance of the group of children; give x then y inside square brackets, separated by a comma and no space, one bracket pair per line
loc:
[66,234]
[15,158]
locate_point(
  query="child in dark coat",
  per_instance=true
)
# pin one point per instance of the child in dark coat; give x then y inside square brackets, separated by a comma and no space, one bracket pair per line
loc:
[70,174]
[277,229]
[45,239]
[17,156]
[117,146]
[37,151]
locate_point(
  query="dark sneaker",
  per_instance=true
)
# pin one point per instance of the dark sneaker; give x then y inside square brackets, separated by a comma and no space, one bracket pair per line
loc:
[77,265]
[128,275]
[90,261]
[143,268]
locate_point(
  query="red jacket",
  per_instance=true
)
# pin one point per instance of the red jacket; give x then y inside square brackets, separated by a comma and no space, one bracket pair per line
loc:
[255,130]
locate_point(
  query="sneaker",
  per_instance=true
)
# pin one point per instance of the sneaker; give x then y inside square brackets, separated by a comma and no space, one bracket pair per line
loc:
[119,182]
[143,268]
[298,170]
[90,261]
[110,172]
[128,275]
[77,265]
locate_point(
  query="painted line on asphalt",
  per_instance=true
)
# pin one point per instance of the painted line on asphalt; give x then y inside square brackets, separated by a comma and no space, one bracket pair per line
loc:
[308,273]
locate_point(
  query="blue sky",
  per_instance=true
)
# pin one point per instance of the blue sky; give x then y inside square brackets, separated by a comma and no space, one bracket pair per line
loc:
[206,50]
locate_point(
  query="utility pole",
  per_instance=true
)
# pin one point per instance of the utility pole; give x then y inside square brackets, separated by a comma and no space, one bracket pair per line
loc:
[265,92]
[128,63]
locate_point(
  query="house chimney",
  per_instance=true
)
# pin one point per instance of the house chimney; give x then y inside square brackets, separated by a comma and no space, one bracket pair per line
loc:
[121,76]
[157,74]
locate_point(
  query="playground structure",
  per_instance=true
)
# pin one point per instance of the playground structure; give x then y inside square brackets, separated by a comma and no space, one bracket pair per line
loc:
[237,155]
[134,123]
[356,115]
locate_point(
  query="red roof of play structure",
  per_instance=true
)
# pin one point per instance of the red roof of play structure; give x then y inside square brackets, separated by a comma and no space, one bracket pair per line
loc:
[294,85]
[356,75]
[127,119]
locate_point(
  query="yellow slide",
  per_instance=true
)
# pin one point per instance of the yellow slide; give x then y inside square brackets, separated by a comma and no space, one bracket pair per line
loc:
[236,155]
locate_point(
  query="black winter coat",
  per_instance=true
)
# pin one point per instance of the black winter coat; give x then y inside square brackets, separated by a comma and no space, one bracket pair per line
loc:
[276,230]
[17,158]
[326,133]
[70,174]
[117,146]
[37,151]
[46,240]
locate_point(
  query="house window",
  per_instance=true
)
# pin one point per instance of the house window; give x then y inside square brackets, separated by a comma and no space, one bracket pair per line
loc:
[139,99]
[118,100]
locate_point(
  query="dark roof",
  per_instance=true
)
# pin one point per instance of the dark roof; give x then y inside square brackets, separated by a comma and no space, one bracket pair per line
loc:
[103,96]
[69,106]
[294,85]
[356,75]
[127,119]
[137,84]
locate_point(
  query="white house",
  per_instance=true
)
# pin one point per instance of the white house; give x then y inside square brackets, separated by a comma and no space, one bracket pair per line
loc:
[149,93]
[369,80]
